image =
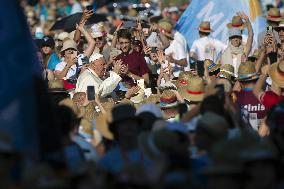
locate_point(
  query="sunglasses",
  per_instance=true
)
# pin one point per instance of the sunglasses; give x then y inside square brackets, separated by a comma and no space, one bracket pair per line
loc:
[99,38]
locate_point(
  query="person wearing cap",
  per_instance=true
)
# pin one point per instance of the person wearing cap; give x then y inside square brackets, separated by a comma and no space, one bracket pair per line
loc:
[50,58]
[124,127]
[173,13]
[175,46]
[94,76]
[206,47]
[236,51]
[273,19]
[245,99]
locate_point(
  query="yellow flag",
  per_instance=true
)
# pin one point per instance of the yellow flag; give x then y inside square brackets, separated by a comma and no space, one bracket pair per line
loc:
[255,9]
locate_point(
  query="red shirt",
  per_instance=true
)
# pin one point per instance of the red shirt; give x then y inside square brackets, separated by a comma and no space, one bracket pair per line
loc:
[269,99]
[247,100]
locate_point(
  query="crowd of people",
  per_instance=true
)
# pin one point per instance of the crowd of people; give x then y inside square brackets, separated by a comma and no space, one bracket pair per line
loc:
[135,107]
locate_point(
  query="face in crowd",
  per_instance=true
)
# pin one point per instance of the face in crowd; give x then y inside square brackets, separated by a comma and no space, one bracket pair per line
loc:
[236,41]
[99,66]
[281,34]
[99,42]
[70,53]
[124,44]
[46,50]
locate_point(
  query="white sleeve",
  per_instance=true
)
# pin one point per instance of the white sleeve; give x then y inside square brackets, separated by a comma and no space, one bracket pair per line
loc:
[193,47]
[179,51]
[60,66]
[84,82]
[109,84]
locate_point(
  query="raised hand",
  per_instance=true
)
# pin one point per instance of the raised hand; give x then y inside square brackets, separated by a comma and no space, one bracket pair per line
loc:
[132,91]
[147,50]
[243,16]
[117,66]
[86,15]
[161,56]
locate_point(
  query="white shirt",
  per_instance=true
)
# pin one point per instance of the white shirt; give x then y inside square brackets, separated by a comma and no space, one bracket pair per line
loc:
[103,87]
[76,7]
[179,51]
[208,48]
[72,70]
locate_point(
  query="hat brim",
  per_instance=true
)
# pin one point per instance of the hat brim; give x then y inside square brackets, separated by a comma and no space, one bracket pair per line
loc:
[205,31]
[225,75]
[274,19]
[241,27]
[190,97]
[276,76]
[62,50]
[57,91]
[167,106]
[248,78]
[278,28]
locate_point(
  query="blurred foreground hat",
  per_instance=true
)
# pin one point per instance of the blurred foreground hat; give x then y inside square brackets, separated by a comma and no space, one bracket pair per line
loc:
[166,28]
[168,99]
[205,27]
[274,15]
[247,72]
[227,71]
[194,91]
[79,112]
[214,124]
[122,112]
[56,86]
[212,67]
[69,44]
[237,22]
[152,108]
[276,72]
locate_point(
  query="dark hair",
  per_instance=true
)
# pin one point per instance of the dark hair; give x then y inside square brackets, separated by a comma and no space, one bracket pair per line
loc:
[204,33]
[124,33]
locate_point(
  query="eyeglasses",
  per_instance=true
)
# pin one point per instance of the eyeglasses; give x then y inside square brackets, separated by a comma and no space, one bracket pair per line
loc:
[98,38]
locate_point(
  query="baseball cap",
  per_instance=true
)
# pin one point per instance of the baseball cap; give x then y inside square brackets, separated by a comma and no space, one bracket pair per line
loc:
[235,32]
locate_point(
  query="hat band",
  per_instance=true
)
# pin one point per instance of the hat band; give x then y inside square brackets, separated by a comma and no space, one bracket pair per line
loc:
[194,92]
[237,25]
[168,100]
[206,29]
[183,82]
[271,16]
[211,66]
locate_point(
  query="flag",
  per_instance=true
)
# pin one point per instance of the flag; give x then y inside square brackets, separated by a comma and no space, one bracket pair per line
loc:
[19,65]
[219,13]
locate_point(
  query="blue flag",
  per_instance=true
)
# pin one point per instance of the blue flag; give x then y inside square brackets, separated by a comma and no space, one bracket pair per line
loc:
[219,13]
[19,66]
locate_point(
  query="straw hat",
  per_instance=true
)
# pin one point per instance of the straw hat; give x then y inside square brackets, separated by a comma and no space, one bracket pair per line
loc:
[69,44]
[276,72]
[205,27]
[183,78]
[152,99]
[247,72]
[212,67]
[194,91]
[227,84]
[56,86]
[62,36]
[227,71]
[70,104]
[166,28]
[237,22]
[274,15]
[168,99]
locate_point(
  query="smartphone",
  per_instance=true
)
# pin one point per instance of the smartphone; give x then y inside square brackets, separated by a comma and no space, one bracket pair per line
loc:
[89,7]
[200,68]
[91,93]
[153,50]
[129,24]
[269,29]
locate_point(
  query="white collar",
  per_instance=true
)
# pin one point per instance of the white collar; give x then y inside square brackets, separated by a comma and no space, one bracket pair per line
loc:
[92,72]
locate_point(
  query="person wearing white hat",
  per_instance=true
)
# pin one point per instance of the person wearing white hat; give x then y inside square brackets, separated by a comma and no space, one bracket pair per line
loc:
[94,76]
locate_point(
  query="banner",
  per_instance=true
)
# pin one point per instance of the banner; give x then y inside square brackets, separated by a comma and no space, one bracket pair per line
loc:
[219,13]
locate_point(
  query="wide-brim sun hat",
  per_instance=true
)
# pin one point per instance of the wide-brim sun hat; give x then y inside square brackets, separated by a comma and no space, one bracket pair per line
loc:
[168,99]
[237,22]
[205,27]
[276,72]
[69,44]
[247,72]
[274,15]
[194,91]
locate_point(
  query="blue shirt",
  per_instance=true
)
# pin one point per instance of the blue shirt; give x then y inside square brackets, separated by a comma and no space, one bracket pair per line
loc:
[53,61]
[114,160]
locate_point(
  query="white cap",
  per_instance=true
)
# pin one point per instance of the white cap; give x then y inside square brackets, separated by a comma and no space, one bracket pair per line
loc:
[152,108]
[173,9]
[95,56]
